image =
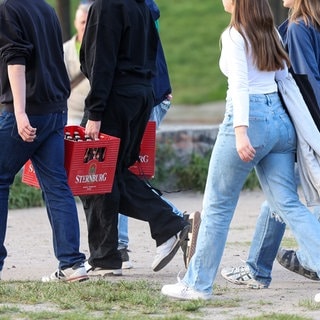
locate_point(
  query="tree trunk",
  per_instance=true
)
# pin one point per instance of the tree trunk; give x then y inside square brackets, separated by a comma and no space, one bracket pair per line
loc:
[63,12]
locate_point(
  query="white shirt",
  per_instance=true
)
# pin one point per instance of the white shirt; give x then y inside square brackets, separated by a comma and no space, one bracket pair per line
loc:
[243,76]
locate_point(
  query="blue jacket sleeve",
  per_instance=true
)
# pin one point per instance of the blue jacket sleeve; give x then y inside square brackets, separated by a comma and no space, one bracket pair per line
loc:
[303,45]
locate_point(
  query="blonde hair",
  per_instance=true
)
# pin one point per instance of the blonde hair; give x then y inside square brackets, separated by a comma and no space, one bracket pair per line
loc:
[253,19]
[307,10]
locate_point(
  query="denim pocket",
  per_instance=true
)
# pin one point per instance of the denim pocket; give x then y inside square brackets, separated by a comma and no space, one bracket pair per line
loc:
[258,131]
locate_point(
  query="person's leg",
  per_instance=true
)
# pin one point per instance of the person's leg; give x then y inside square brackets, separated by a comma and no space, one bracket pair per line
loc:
[130,195]
[226,176]
[303,224]
[265,244]
[141,202]
[276,175]
[266,241]
[48,162]
[263,250]
[11,162]
[123,241]
[102,224]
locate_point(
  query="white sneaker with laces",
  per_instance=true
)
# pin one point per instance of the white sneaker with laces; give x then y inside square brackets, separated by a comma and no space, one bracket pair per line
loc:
[242,276]
[77,273]
[167,250]
[183,292]
[100,272]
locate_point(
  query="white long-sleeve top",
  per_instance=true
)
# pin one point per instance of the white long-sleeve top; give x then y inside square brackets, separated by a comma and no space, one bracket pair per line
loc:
[243,76]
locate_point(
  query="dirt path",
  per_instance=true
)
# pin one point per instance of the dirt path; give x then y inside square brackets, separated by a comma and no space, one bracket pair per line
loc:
[30,256]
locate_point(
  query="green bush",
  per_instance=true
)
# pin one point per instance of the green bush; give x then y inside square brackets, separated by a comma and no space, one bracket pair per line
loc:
[172,175]
[194,175]
[24,196]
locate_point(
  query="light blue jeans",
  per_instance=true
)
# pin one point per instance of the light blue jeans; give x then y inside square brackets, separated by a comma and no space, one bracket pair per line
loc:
[157,114]
[159,111]
[273,136]
[265,243]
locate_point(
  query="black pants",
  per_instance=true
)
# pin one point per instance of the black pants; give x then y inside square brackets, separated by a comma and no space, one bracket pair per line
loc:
[126,117]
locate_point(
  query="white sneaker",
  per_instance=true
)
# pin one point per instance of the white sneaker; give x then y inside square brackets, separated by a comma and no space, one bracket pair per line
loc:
[168,249]
[77,273]
[183,292]
[242,276]
[100,272]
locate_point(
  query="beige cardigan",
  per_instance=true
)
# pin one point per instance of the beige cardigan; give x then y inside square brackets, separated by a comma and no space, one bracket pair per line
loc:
[79,93]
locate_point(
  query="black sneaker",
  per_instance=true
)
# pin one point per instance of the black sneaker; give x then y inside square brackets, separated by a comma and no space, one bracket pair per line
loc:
[126,263]
[289,260]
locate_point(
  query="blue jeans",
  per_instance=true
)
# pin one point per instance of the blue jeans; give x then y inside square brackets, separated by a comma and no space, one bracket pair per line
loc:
[273,136]
[47,156]
[157,114]
[266,242]
[159,111]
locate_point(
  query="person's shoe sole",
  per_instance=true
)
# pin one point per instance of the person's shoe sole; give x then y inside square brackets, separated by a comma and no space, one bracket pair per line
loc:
[78,279]
[184,244]
[105,273]
[183,235]
[99,272]
[195,220]
[289,260]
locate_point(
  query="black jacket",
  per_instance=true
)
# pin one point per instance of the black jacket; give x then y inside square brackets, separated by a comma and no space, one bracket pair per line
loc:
[30,35]
[119,47]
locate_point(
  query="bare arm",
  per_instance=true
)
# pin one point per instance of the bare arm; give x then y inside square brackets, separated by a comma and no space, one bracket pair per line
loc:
[17,78]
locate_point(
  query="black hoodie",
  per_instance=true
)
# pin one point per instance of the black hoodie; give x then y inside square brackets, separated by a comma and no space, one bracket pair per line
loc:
[30,35]
[119,47]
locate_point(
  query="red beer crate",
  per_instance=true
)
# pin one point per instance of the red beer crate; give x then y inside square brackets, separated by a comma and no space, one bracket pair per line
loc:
[90,165]
[145,167]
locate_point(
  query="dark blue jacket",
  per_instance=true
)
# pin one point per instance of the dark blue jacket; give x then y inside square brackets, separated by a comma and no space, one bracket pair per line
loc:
[161,82]
[303,45]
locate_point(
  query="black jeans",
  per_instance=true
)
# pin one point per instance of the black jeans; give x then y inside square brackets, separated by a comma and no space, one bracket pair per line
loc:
[126,117]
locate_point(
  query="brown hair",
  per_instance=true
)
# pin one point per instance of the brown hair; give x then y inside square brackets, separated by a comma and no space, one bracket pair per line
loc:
[308,10]
[253,19]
